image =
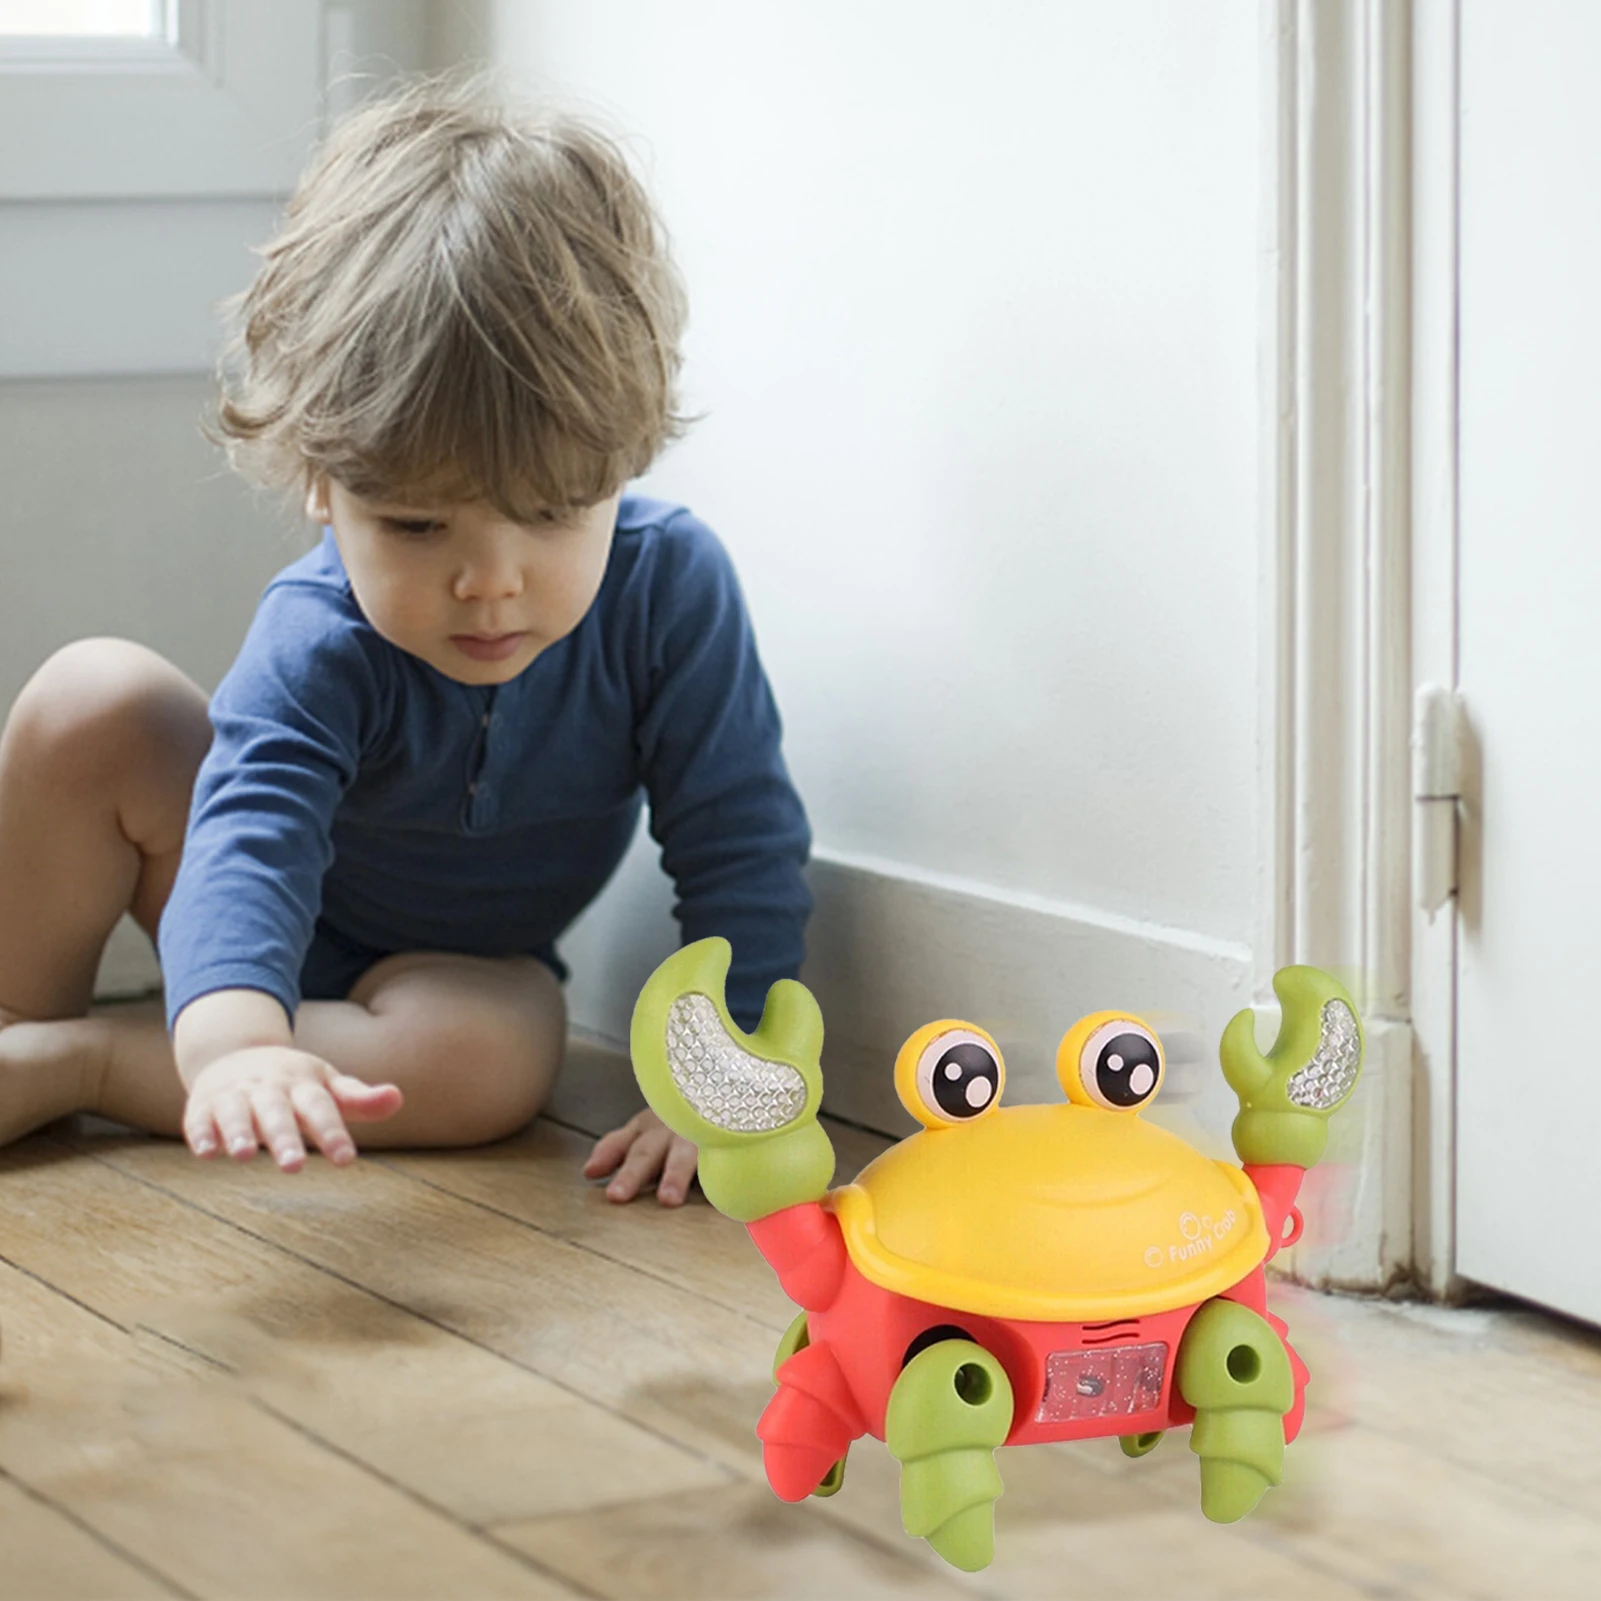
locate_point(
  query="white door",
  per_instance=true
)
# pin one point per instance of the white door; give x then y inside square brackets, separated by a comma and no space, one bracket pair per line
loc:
[1528,1195]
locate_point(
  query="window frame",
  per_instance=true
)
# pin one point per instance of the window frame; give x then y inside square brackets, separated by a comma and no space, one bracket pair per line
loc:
[52,51]
[230,107]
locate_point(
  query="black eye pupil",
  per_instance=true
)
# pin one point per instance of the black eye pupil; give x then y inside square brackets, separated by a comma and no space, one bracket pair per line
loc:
[1115,1069]
[965,1080]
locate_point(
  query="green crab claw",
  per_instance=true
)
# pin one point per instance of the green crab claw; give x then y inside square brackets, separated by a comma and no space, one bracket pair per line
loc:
[749,1101]
[1287,1096]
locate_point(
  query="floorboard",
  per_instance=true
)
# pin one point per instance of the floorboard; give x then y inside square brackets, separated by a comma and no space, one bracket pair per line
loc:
[468,1374]
[46,1552]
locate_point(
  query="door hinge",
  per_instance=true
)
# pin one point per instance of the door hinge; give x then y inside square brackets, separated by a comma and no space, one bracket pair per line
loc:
[1436,791]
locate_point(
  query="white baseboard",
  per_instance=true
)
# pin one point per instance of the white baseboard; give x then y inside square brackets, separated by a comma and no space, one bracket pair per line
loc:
[1358,1200]
[892,948]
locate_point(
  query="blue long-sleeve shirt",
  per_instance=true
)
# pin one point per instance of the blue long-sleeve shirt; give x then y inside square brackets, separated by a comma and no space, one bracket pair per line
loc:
[352,790]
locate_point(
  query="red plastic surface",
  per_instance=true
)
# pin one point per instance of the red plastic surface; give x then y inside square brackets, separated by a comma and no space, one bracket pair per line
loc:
[837,1387]
[1278,1184]
[804,1247]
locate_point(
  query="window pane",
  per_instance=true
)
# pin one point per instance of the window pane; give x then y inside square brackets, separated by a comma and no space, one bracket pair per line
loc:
[113,19]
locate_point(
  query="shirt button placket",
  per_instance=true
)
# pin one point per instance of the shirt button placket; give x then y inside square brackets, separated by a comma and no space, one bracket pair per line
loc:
[479,811]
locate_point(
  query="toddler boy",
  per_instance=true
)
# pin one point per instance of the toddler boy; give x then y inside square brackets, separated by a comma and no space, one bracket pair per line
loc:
[432,750]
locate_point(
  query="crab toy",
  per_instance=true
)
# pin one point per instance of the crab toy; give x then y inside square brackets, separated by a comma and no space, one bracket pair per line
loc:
[1008,1275]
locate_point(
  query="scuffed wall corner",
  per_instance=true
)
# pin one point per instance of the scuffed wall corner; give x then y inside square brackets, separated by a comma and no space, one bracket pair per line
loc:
[1358,1200]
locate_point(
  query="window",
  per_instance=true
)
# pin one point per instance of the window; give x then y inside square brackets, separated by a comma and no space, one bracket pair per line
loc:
[84,19]
[156,99]
[144,144]
[88,34]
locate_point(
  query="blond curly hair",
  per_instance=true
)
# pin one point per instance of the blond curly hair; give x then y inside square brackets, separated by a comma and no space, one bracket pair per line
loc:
[467,300]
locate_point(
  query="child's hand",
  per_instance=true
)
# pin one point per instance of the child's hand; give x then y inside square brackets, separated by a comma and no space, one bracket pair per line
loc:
[644,1148]
[276,1096]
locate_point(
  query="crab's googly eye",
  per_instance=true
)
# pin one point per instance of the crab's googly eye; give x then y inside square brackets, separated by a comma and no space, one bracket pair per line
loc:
[1112,1061]
[960,1081]
[949,1073]
[1120,1065]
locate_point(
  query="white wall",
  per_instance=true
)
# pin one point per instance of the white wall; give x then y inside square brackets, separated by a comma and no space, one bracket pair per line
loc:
[119,518]
[974,299]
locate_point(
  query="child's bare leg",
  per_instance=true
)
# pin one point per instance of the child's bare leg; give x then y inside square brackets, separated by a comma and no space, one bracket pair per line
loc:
[474,1043]
[97,763]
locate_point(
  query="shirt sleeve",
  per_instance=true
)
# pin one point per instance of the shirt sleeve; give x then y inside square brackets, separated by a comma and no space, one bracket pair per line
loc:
[288,725]
[732,830]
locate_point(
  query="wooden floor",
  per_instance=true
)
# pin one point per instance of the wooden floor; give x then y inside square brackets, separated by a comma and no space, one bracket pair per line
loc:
[451,1376]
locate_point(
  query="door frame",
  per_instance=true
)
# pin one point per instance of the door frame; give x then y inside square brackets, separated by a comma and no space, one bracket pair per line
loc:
[1435,169]
[1358,453]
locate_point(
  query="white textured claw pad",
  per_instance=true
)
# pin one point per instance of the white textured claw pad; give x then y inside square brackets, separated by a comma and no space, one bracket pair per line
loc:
[1326,1080]
[728,1087]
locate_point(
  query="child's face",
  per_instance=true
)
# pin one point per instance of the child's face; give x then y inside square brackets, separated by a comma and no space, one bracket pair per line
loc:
[472,594]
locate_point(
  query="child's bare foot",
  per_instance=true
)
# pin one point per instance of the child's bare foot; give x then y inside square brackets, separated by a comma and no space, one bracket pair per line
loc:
[47,1070]
[117,1062]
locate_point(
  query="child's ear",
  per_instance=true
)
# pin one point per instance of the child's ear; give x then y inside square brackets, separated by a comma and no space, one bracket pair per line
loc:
[317,499]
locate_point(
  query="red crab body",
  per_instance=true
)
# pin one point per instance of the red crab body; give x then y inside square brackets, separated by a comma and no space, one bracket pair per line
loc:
[1070,1380]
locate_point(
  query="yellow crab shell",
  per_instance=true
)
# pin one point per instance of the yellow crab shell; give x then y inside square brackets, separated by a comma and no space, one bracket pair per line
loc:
[1056,1213]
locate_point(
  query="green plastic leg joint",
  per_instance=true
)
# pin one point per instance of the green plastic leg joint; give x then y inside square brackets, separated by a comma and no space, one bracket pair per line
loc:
[950,1408]
[1233,1369]
[1140,1444]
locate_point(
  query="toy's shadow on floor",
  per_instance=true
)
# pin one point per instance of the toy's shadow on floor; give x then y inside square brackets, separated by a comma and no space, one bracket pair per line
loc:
[725,1411]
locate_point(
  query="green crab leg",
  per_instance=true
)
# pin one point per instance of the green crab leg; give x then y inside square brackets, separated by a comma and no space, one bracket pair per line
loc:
[749,1101]
[1287,1097]
[1140,1444]
[950,1408]
[1233,1369]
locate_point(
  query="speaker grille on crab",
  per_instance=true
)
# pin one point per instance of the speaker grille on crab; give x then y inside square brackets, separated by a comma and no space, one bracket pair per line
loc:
[726,1085]
[1326,1080]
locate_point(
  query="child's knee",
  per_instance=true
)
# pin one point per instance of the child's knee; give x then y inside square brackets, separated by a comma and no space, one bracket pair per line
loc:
[494,1072]
[100,705]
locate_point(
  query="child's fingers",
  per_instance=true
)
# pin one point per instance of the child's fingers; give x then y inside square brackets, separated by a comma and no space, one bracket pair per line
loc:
[677,1171]
[235,1124]
[640,1166]
[319,1116]
[200,1130]
[609,1150]
[362,1102]
[275,1122]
